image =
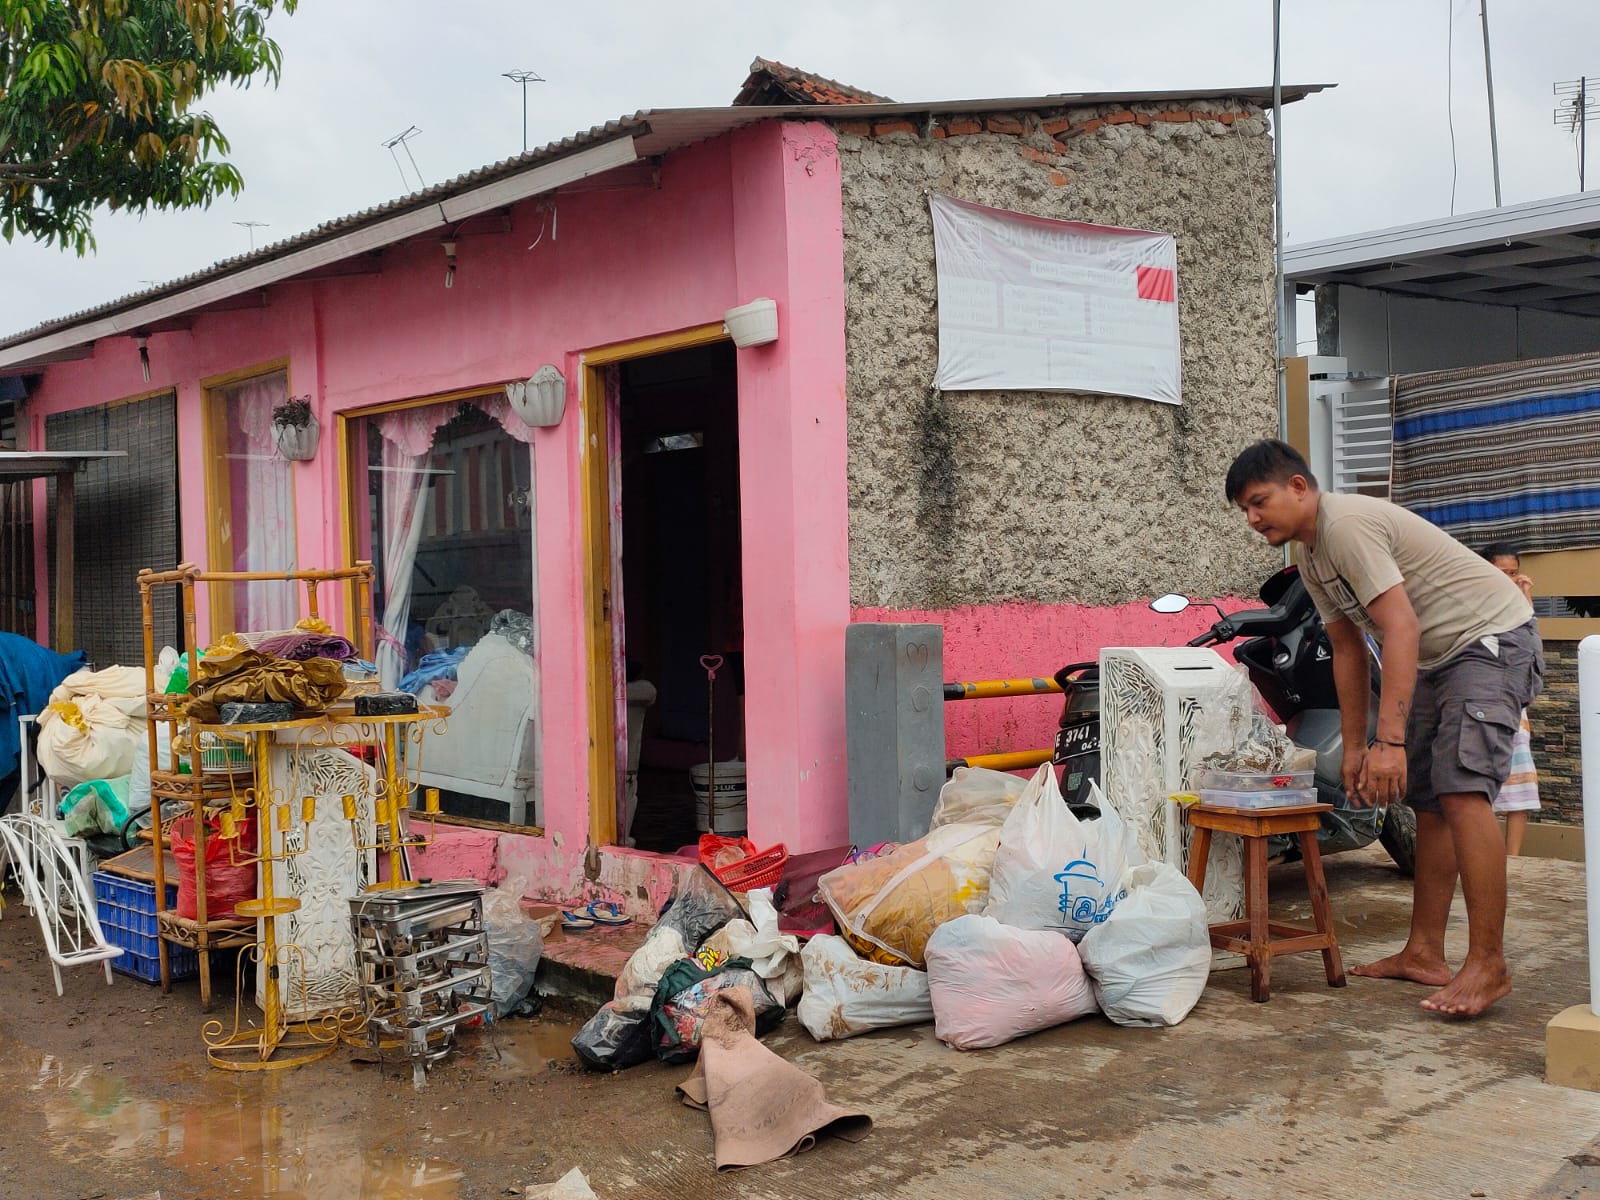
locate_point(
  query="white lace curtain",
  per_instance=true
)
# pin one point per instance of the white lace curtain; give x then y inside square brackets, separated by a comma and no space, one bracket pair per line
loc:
[407,444]
[261,502]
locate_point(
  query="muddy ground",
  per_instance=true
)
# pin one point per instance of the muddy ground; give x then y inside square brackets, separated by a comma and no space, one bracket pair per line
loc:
[1352,1092]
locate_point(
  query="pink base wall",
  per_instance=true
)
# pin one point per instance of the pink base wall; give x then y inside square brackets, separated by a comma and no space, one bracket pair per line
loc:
[1015,640]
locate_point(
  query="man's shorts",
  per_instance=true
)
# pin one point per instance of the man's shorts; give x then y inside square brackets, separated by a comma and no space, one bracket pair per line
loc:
[1465,714]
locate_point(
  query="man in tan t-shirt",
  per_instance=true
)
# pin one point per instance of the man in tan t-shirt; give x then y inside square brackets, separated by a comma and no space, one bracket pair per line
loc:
[1461,659]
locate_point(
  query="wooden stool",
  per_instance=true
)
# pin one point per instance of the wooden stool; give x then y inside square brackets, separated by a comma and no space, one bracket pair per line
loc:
[1262,939]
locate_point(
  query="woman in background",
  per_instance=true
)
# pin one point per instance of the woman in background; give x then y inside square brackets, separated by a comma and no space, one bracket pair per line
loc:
[1519,795]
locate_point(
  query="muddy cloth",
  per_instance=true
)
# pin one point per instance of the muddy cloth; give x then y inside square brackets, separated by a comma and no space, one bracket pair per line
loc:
[762,1108]
[301,646]
[250,677]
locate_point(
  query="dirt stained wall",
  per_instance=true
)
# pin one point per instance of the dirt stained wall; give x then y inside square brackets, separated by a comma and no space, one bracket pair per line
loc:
[964,498]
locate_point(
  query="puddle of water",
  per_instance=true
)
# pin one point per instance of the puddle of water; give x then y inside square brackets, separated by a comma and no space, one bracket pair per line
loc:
[529,1046]
[262,1149]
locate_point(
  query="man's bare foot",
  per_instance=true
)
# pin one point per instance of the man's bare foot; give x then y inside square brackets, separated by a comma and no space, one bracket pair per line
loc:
[1475,987]
[1407,966]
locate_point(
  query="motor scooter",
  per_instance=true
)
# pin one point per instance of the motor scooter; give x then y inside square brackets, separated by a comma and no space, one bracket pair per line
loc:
[1289,660]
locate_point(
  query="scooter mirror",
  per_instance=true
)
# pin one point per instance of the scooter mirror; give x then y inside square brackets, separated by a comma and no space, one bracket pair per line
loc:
[1170,603]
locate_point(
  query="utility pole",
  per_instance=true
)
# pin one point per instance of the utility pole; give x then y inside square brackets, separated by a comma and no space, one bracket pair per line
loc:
[524,78]
[1277,210]
[1488,79]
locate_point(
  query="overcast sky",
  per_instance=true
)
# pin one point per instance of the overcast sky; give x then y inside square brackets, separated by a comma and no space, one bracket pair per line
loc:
[1373,153]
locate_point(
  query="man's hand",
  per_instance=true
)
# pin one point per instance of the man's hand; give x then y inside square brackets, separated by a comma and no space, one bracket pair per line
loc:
[1383,776]
[1355,755]
[1525,585]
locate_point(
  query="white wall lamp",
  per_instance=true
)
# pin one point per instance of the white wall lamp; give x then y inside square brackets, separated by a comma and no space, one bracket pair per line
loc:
[753,324]
[144,355]
[542,400]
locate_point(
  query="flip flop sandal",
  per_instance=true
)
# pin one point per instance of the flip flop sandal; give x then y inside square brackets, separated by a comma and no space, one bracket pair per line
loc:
[606,914]
[576,921]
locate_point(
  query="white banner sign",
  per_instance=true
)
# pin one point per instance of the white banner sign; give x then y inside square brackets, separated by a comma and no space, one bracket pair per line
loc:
[1035,304]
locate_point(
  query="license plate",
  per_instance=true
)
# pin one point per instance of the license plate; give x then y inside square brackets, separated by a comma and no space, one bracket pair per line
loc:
[1073,740]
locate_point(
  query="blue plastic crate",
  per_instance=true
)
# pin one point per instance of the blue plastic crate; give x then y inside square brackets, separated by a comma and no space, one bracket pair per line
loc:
[181,964]
[127,911]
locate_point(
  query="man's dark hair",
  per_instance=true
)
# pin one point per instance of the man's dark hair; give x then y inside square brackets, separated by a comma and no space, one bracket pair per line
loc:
[1268,461]
[1496,550]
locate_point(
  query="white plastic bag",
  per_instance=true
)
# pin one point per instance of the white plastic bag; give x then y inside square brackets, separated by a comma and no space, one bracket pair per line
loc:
[774,956]
[514,946]
[846,995]
[977,795]
[1150,959]
[991,983]
[1052,870]
[139,784]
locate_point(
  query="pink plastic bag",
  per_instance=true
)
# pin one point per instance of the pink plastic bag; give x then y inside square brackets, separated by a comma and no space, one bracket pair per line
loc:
[992,983]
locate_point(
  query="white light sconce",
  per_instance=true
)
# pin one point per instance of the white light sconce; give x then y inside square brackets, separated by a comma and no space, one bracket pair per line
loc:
[449,262]
[144,355]
[753,324]
[542,400]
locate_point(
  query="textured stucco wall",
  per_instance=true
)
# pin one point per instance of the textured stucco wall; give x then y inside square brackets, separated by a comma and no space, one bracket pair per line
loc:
[982,497]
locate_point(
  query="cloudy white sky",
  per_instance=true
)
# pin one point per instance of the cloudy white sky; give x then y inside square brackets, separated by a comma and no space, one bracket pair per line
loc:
[1375,152]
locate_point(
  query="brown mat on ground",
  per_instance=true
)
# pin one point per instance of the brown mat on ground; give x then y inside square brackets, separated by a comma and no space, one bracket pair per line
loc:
[762,1108]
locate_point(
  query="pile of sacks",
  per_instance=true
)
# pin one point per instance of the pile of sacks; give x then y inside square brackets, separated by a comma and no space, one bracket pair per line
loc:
[1012,915]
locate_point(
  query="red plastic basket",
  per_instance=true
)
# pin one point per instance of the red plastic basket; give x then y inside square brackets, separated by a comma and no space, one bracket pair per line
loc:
[762,869]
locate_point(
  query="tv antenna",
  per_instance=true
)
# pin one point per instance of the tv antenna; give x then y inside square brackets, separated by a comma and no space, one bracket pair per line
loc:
[250,227]
[524,78]
[400,140]
[1575,101]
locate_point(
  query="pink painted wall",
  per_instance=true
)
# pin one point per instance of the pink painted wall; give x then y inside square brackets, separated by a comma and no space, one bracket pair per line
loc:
[756,213]
[794,464]
[1018,640]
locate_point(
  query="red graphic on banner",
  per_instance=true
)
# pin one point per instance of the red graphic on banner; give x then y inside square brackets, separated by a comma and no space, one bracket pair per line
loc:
[1157,283]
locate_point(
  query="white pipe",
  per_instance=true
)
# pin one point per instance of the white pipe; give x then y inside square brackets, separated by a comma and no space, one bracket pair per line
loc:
[1589,743]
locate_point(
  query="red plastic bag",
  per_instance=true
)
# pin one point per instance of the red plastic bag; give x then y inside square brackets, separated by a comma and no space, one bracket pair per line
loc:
[227,881]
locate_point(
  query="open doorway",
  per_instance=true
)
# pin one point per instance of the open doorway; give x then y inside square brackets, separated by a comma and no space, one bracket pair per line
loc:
[681,590]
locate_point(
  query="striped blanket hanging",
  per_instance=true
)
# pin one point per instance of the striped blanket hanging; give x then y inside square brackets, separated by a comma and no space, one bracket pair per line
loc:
[1504,453]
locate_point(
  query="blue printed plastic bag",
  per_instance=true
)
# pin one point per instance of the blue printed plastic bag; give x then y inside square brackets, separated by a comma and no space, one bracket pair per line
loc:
[1052,870]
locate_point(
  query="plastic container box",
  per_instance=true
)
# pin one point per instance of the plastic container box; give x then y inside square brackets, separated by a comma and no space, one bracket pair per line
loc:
[127,911]
[1275,798]
[1253,781]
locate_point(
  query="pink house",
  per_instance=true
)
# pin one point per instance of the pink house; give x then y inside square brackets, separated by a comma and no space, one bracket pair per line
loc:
[678,496]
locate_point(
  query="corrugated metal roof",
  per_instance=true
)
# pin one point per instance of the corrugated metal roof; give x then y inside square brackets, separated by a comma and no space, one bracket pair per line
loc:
[654,132]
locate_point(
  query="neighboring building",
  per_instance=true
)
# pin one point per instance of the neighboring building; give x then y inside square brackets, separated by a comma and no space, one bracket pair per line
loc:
[694,499]
[1500,286]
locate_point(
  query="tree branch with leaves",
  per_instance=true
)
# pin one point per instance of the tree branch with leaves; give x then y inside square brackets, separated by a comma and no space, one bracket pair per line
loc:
[97,106]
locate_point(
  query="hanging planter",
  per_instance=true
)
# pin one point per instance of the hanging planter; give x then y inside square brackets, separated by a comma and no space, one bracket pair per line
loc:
[295,429]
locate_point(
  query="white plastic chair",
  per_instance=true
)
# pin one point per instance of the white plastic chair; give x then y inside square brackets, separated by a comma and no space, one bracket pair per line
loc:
[54,888]
[41,798]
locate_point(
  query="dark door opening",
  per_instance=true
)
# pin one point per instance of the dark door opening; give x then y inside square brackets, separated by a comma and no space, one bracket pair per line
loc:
[681,586]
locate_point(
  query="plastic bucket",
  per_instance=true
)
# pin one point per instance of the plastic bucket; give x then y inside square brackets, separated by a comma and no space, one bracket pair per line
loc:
[724,813]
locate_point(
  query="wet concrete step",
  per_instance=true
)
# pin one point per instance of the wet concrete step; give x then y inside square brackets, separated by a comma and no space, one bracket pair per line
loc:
[582,966]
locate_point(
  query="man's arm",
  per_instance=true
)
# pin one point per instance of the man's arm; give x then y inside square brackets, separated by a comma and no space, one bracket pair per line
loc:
[1383,774]
[1352,678]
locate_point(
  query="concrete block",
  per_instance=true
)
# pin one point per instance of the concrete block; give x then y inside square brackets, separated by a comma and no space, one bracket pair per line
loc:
[894,702]
[1572,1049]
